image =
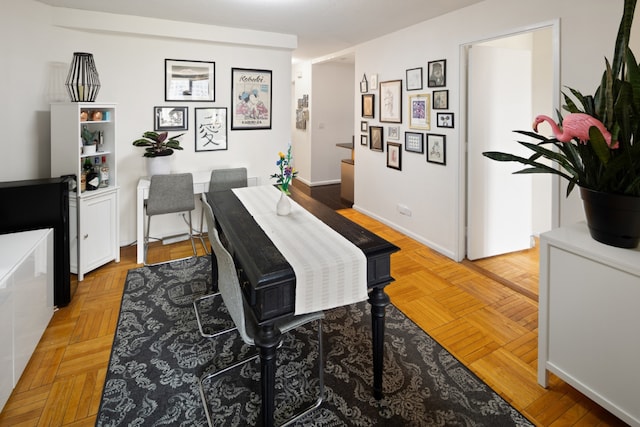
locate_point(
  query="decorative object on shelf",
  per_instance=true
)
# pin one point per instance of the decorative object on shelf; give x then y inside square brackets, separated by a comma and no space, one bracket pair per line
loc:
[283,179]
[597,142]
[96,116]
[89,140]
[158,151]
[83,82]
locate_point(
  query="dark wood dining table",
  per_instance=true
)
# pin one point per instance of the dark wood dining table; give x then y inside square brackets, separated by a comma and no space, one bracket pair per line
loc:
[269,284]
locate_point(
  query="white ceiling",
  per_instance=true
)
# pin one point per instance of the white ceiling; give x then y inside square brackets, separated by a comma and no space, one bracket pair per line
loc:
[323,27]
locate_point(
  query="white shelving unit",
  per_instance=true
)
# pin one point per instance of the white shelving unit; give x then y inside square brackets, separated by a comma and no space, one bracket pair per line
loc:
[588,318]
[93,214]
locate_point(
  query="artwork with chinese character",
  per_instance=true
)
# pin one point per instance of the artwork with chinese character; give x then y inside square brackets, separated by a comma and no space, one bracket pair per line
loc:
[211,129]
[250,99]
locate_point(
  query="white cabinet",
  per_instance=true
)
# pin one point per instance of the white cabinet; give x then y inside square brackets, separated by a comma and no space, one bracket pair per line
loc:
[589,318]
[26,300]
[93,217]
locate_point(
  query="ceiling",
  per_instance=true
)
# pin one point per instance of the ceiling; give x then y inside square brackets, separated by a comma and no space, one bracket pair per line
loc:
[323,27]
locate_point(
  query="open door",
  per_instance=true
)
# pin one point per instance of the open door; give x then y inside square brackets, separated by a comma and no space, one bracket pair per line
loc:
[499,214]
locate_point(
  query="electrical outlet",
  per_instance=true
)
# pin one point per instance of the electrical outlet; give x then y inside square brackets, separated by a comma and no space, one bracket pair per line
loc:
[404,210]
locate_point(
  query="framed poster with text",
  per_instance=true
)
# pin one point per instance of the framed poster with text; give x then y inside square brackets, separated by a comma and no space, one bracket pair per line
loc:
[250,99]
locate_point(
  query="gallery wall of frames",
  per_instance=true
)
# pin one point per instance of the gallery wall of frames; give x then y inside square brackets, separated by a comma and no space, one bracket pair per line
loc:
[422,91]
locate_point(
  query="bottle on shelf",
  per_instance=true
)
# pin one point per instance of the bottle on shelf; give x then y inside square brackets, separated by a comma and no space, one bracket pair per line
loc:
[86,168]
[104,172]
[93,178]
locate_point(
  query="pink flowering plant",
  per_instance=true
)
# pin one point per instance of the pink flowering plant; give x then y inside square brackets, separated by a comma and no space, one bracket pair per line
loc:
[287,172]
[596,145]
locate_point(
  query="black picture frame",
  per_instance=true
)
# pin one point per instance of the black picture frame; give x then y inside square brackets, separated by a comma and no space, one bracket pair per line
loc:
[364,85]
[170,118]
[394,156]
[414,142]
[444,120]
[376,138]
[437,148]
[440,99]
[251,99]
[368,106]
[437,73]
[414,78]
[364,140]
[186,80]
[211,129]
[364,126]
[390,108]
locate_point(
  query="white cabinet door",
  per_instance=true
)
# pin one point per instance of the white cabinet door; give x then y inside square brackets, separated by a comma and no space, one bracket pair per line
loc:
[98,230]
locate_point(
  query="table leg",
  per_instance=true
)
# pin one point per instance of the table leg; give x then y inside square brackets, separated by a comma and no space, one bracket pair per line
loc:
[267,341]
[378,299]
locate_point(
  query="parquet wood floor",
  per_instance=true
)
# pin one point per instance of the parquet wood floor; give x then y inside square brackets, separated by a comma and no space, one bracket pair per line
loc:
[490,327]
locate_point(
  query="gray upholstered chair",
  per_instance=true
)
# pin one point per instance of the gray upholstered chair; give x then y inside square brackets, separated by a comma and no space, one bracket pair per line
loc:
[223,179]
[229,287]
[169,194]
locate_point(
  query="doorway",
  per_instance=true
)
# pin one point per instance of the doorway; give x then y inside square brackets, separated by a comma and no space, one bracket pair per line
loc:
[509,79]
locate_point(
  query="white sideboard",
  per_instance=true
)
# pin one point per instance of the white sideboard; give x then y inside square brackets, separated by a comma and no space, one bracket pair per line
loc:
[26,300]
[589,318]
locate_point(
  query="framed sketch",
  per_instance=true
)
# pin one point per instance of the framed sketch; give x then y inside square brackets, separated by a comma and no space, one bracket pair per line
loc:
[437,72]
[367,106]
[251,94]
[375,138]
[363,140]
[436,149]
[414,142]
[170,118]
[394,156]
[440,99]
[373,80]
[364,126]
[420,111]
[364,87]
[444,120]
[211,128]
[189,80]
[393,133]
[391,101]
[414,78]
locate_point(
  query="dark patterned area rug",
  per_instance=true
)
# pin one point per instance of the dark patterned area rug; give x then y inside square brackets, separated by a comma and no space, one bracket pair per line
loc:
[158,356]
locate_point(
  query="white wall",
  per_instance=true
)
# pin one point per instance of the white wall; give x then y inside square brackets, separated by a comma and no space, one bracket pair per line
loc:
[301,138]
[332,120]
[131,68]
[432,191]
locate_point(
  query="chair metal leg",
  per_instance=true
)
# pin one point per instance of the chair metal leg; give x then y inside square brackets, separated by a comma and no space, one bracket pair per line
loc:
[201,232]
[199,320]
[193,243]
[146,240]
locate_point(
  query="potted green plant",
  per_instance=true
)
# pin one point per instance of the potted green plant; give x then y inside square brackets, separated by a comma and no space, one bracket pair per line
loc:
[596,145]
[158,148]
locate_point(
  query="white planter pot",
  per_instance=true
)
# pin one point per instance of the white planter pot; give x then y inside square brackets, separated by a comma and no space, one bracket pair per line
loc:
[158,165]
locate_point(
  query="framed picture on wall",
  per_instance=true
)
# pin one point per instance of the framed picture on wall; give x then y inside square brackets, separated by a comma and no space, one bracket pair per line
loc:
[391,101]
[440,99]
[211,129]
[364,126]
[436,149]
[414,142]
[393,133]
[420,111]
[170,118]
[363,140]
[437,71]
[444,120]
[189,80]
[251,95]
[376,138]
[367,106]
[394,156]
[414,78]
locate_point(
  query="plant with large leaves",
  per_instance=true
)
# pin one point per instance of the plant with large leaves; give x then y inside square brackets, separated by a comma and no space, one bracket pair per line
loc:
[158,144]
[593,162]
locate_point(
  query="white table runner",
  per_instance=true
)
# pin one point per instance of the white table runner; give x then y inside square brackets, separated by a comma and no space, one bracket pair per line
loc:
[330,270]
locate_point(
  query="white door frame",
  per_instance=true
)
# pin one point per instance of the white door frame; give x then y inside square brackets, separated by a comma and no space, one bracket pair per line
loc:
[462,161]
